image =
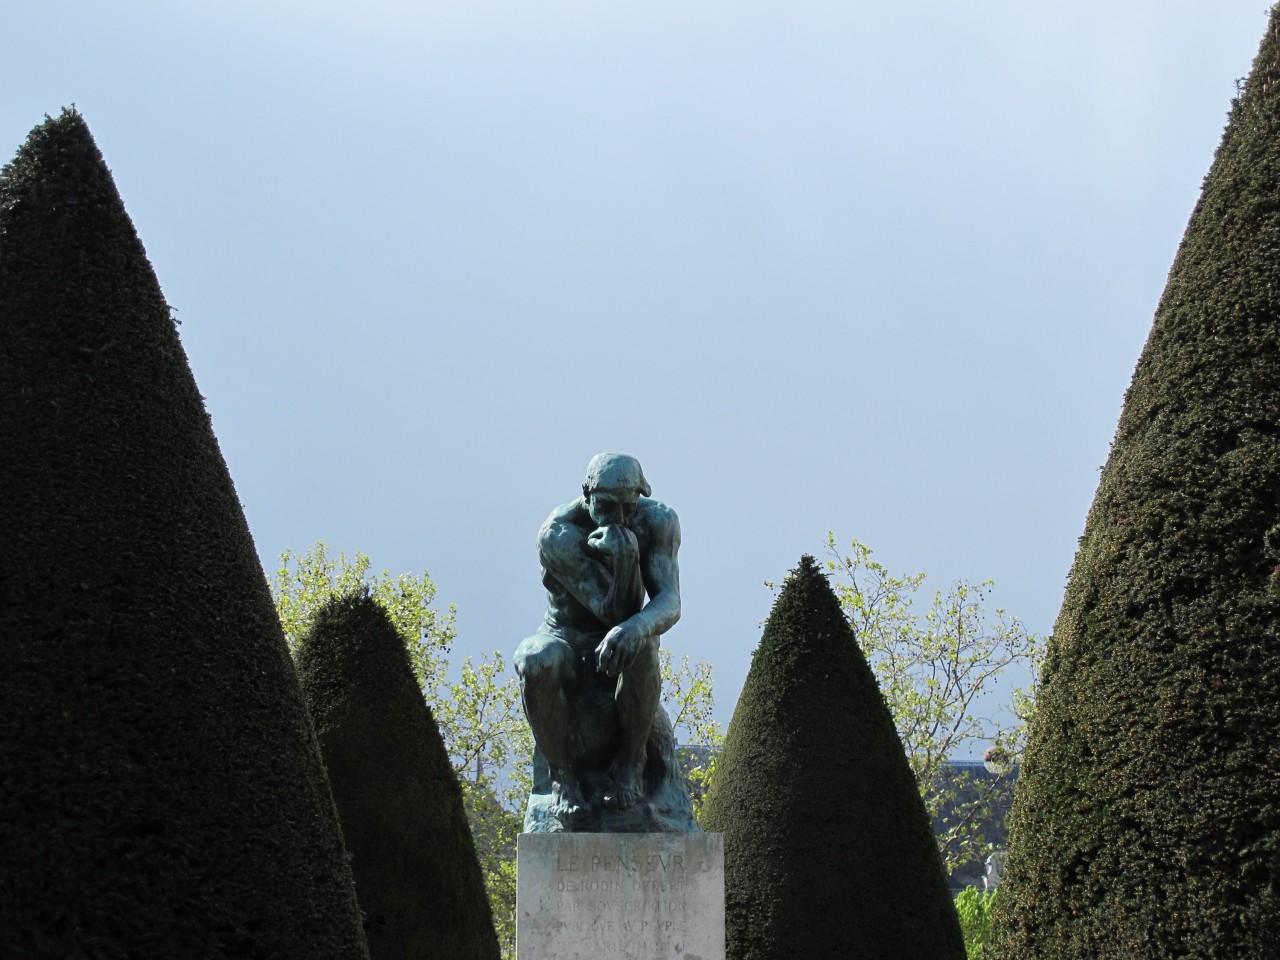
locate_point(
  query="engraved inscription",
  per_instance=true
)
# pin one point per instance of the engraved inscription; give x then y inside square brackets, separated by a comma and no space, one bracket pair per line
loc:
[639,895]
[632,885]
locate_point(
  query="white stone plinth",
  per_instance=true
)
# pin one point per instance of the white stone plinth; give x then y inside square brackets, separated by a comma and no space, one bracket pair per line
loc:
[620,896]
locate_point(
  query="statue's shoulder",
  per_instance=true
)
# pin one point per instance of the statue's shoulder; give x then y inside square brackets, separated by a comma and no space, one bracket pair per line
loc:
[655,511]
[659,520]
[563,523]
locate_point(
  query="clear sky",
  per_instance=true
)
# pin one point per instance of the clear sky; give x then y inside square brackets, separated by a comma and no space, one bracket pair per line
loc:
[882,269]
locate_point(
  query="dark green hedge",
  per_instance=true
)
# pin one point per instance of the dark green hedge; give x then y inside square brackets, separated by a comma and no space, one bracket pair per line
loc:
[828,849]
[417,876]
[161,792]
[1147,817]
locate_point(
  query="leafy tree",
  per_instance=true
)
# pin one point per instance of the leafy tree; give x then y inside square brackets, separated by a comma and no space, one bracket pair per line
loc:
[306,582]
[974,908]
[161,791]
[417,876]
[477,709]
[688,695]
[828,850]
[496,829]
[1147,818]
[935,671]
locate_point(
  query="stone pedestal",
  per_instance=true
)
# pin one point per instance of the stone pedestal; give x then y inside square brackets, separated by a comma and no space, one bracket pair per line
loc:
[620,896]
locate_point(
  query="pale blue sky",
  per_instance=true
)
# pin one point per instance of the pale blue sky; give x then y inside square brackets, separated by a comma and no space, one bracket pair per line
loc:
[882,269]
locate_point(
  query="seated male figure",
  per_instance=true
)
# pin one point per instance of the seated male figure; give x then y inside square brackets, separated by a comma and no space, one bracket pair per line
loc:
[600,555]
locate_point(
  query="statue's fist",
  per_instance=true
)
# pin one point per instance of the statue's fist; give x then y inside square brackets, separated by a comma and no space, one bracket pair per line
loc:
[613,540]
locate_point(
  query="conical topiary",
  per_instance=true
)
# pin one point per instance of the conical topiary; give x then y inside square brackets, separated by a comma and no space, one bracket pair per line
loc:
[828,849]
[1147,818]
[417,876]
[161,791]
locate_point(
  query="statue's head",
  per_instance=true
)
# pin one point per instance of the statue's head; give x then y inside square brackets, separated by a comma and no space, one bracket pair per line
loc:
[613,487]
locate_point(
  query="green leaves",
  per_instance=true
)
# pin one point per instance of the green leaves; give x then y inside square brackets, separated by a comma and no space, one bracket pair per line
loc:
[305,581]
[935,671]
[487,734]
[688,697]
[974,909]
[477,709]
[404,819]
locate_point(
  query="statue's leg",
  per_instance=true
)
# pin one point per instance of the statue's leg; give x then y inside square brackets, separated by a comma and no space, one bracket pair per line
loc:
[546,668]
[636,696]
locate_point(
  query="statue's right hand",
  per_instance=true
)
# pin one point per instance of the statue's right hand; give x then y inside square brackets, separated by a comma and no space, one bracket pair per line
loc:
[619,649]
[613,540]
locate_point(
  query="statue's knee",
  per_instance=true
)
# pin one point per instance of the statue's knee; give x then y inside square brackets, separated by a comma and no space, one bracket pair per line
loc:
[539,663]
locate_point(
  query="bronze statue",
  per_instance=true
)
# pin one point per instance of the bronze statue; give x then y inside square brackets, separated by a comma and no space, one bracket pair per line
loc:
[590,676]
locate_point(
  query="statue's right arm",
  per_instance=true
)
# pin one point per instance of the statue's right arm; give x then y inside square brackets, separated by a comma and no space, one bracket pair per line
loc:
[587,580]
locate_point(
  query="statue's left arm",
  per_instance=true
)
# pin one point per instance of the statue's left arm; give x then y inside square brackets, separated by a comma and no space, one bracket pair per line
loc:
[660,569]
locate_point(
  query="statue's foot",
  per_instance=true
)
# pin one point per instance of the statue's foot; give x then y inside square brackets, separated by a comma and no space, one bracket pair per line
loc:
[625,790]
[567,803]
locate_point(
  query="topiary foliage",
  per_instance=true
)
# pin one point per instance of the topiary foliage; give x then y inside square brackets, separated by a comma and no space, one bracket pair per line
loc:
[828,850]
[417,876]
[161,792]
[1147,817]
